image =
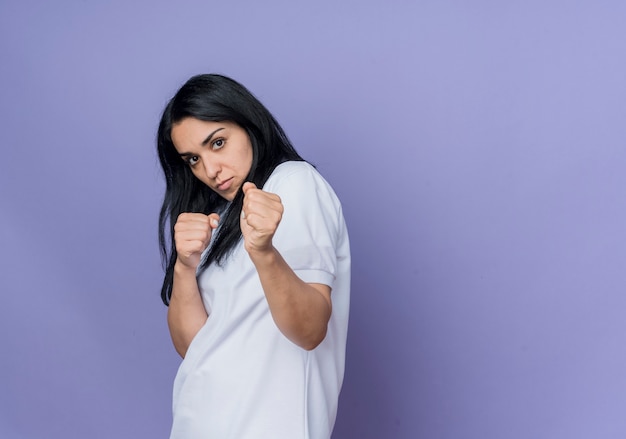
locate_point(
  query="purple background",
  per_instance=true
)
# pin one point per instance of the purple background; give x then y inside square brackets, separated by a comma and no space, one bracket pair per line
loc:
[479,149]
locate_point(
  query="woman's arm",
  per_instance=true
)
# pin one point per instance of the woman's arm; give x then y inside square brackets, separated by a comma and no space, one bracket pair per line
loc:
[186,313]
[300,310]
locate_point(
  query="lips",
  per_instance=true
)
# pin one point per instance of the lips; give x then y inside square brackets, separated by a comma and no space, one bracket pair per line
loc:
[225,185]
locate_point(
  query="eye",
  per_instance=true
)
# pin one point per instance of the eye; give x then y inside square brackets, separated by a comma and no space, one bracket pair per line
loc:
[193,160]
[218,144]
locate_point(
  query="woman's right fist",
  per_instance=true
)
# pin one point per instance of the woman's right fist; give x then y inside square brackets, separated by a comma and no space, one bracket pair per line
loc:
[192,234]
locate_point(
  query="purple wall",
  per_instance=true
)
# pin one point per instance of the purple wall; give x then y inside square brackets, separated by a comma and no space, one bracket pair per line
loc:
[479,150]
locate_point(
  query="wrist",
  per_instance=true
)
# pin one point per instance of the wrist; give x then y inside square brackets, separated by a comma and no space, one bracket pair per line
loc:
[266,256]
[181,269]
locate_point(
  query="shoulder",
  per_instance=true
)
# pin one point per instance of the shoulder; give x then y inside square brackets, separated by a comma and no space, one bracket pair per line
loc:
[292,169]
[306,196]
[295,177]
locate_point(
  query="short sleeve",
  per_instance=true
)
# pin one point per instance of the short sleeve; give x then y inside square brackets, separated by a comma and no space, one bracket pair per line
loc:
[308,232]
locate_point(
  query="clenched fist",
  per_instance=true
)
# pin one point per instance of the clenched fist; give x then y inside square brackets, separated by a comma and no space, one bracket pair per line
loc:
[260,215]
[192,234]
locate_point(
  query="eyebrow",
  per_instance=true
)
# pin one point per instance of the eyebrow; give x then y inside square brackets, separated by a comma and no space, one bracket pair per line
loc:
[203,143]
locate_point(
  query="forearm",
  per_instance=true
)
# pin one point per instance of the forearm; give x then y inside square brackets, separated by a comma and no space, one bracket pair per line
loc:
[300,310]
[186,313]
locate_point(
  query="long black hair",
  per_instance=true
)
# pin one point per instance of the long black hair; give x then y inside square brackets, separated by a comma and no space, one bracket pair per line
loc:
[213,98]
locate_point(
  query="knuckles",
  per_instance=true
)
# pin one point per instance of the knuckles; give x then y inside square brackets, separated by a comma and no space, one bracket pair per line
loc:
[186,220]
[192,232]
[192,229]
[192,217]
[265,204]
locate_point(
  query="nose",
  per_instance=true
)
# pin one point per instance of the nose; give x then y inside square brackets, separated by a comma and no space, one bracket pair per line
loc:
[211,168]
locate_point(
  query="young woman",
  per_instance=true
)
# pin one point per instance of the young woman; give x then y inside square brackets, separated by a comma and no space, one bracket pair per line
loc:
[257,271]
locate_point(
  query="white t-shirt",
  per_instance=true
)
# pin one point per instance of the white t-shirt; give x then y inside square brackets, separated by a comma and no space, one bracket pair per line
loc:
[241,377]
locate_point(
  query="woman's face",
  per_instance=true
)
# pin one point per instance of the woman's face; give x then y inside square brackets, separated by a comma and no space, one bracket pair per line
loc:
[218,153]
